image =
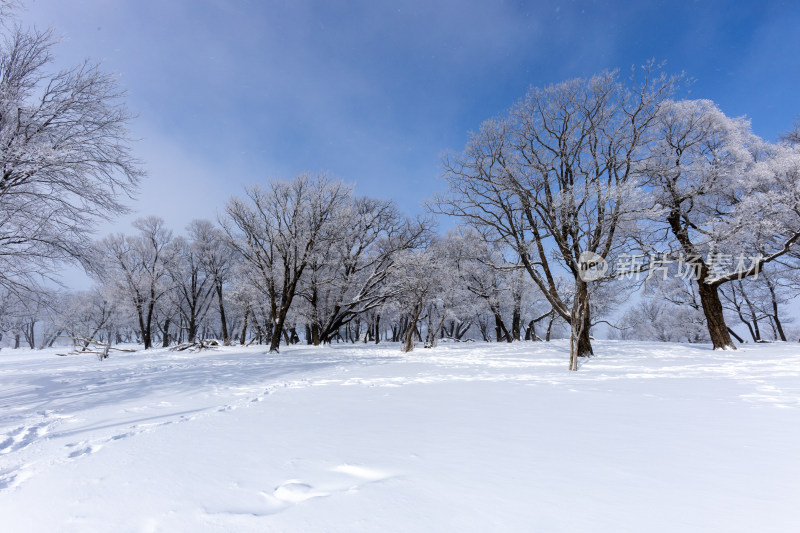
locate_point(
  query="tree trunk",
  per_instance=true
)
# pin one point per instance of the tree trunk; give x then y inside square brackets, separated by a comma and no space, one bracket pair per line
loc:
[315,338]
[580,344]
[776,320]
[377,328]
[737,337]
[244,325]
[226,339]
[275,338]
[516,321]
[412,328]
[144,326]
[500,328]
[29,331]
[191,333]
[165,337]
[715,319]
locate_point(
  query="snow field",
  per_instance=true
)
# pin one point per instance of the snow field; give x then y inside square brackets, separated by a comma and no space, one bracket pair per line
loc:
[464,437]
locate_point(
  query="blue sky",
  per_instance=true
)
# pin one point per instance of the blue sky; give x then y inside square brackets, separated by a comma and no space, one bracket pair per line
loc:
[235,92]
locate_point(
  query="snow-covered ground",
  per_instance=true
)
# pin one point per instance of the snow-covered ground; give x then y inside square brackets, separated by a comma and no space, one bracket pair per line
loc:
[464,437]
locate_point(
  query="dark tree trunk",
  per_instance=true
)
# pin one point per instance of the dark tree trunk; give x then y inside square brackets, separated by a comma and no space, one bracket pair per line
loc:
[412,328]
[165,336]
[709,294]
[226,339]
[549,328]
[377,328]
[275,338]
[501,331]
[149,321]
[243,339]
[775,319]
[530,331]
[191,330]
[516,322]
[715,319]
[585,340]
[29,332]
[737,337]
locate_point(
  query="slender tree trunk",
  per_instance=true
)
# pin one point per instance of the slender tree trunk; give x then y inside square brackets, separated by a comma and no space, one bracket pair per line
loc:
[30,331]
[737,337]
[226,339]
[377,328]
[244,325]
[500,327]
[753,313]
[516,320]
[409,340]
[776,320]
[145,324]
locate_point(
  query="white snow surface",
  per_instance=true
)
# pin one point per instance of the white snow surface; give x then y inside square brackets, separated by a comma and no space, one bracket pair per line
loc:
[362,438]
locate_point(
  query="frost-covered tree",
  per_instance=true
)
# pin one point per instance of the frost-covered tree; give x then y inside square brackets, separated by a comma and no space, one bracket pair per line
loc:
[793,135]
[217,257]
[138,266]
[192,282]
[278,231]
[418,281]
[758,301]
[557,181]
[89,315]
[485,274]
[730,201]
[65,158]
[656,319]
[351,276]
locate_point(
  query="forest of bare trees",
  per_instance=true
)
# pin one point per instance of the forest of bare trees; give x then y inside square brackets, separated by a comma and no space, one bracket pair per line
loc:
[600,204]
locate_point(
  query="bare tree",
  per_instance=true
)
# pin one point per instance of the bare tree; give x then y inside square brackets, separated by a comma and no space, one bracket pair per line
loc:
[278,231]
[65,160]
[86,315]
[217,258]
[418,280]
[138,266]
[557,181]
[729,199]
[350,277]
[793,135]
[193,284]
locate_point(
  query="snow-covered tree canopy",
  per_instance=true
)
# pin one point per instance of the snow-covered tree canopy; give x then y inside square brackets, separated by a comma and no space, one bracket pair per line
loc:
[65,157]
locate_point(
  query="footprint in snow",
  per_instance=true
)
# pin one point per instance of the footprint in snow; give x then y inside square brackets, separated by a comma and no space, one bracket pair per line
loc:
[84,451]
[295,491]
[21,437]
